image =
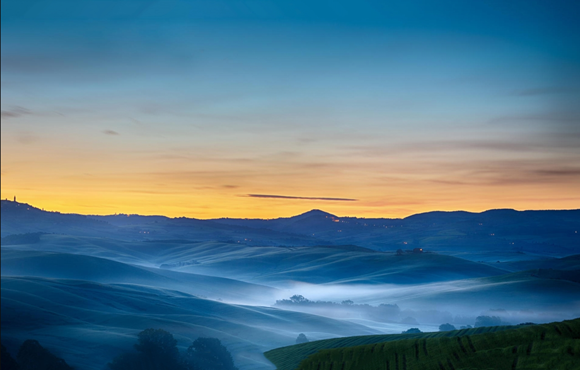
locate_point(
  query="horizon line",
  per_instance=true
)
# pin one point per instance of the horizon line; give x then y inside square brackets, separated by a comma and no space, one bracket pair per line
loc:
[313,209]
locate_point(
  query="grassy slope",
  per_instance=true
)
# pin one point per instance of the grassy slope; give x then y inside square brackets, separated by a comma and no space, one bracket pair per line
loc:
[88,323]
[547,346]
[288,358]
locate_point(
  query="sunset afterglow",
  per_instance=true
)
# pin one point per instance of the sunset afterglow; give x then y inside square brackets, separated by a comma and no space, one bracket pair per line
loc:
[360,109]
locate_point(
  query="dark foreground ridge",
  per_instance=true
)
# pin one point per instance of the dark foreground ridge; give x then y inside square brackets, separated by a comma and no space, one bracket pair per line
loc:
[547,346]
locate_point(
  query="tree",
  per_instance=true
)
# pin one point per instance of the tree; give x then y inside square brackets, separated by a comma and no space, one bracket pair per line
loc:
[7,362]
[208,354]
[412,331]
[157,350]
[348,302]
[446,327]
[298,299]
[301,339]
[400,252]
[33,356]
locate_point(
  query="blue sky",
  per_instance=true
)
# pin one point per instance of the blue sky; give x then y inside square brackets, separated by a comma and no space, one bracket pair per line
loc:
[404,106]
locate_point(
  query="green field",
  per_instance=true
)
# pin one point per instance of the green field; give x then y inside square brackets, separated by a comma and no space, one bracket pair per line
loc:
[547,346]
[288,358]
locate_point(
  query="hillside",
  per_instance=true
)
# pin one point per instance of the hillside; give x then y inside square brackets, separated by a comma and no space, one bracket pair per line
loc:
[289,358]
[89,323]
[80,267]
[547,346]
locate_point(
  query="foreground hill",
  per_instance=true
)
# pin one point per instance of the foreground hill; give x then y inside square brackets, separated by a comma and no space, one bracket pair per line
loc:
[89,323]
[547,346]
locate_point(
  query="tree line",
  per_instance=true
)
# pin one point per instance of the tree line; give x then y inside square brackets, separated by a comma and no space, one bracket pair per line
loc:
[156,349]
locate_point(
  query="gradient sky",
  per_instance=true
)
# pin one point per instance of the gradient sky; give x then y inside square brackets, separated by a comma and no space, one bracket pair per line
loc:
[271,108]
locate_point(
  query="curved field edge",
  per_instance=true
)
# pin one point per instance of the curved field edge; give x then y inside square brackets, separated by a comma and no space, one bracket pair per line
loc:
[289,358]
[547,346]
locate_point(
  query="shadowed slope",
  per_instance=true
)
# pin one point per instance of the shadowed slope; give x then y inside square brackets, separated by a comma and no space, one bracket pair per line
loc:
[89,323]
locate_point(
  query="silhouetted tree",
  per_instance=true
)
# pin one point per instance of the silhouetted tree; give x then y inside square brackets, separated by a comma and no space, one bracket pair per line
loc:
[400,252]
[412,331]
[33,356]
[157,350]
[446,327]
[301,339]
[7,362]
[208,354]
[348,302]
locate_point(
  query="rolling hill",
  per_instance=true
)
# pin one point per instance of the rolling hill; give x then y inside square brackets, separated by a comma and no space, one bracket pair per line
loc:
[89,323]
[274,266]
[81,267]
[289,358]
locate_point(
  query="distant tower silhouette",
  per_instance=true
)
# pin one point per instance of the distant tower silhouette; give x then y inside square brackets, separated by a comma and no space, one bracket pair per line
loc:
[15,199]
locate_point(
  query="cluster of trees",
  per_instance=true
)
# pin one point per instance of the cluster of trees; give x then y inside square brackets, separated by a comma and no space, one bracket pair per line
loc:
[32,356]
[156,349]
[382,312]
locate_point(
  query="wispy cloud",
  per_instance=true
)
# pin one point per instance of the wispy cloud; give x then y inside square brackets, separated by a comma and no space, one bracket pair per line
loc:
[300,198]
[110,132]
[15,112]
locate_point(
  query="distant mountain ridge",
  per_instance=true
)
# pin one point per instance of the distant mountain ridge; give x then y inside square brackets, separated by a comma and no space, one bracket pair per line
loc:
[549,232]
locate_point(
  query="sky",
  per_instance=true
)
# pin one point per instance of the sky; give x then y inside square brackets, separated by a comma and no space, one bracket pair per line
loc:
[272,108]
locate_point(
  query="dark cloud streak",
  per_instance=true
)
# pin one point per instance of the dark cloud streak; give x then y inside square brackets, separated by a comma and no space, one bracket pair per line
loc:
[300,198]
